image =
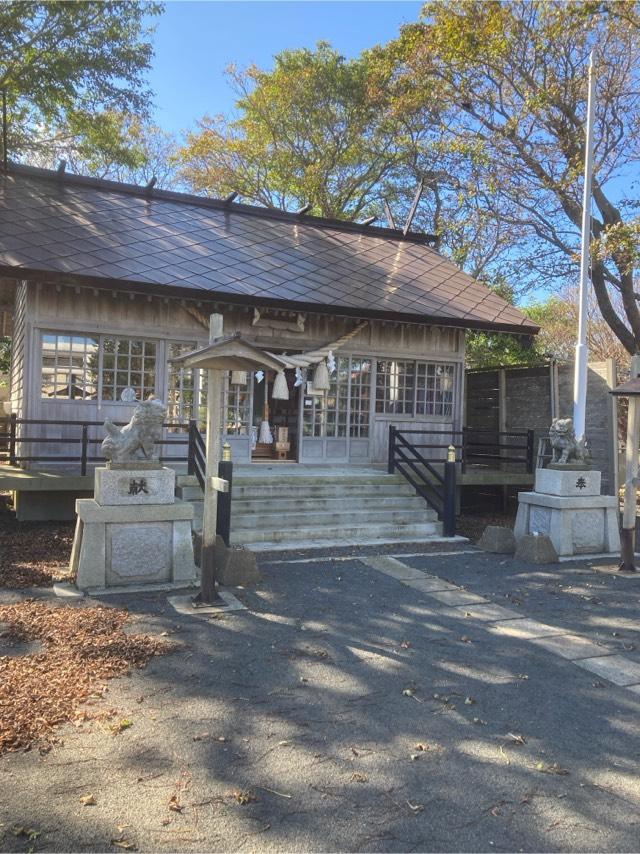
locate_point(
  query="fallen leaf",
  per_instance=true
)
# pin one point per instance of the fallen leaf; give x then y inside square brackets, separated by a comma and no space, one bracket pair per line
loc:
[516,739]
[174,804]
[201,737]
[120,726]
[88,801]
[357,777]
[125,843]
[244,797]
[469,701]
[552,768]
[415,807]
[406,645]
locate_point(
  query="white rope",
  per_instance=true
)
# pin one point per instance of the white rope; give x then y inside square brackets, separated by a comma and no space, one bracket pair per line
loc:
[312,357]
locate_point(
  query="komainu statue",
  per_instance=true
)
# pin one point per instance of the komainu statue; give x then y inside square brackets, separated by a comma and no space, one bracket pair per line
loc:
[564,445]
[136,440]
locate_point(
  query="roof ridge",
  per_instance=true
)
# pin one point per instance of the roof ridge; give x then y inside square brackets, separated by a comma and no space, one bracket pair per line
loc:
[150,193]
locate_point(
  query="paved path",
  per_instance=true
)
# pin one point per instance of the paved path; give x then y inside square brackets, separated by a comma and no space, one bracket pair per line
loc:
[367,707]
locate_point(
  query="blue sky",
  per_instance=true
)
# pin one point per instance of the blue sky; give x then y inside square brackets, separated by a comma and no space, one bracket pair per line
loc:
[196,41]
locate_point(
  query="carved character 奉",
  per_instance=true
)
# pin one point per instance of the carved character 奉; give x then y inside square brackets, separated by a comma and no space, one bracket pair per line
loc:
[136,440]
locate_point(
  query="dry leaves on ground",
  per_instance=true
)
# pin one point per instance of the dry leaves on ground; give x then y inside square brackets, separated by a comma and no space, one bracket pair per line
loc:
[34,554]
[82,646]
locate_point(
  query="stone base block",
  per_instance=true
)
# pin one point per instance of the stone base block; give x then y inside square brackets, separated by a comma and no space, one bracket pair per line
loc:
[576,525]
[567,482]
[498,540]
[235,566]
[536,548]
[118,546]
[134,486]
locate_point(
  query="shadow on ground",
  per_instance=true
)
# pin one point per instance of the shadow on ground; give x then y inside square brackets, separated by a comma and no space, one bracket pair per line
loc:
[360,716]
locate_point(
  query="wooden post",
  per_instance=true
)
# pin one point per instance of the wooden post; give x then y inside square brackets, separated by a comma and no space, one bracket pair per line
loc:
[13,423]
[628,532]
[208,592]
[449,498]
[85,447]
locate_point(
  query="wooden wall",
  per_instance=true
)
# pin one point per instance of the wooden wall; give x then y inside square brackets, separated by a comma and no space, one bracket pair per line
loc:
[88,310]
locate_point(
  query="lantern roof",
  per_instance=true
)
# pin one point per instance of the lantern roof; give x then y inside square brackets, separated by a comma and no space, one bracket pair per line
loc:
[628,389]
[229,353]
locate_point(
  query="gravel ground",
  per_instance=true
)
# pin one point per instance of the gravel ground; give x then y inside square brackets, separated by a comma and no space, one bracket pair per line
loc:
[348,712]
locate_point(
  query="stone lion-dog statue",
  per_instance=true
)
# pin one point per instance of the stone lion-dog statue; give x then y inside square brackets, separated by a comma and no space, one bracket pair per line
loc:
[137,439]
[564,445]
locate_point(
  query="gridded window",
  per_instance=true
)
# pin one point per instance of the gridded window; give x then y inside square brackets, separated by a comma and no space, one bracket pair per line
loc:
[314,415]
[337,399]
[434,389]
[70,367]
[128,362]
[326,415]
[360,403]
[395,387]
[237,406]
[181,391]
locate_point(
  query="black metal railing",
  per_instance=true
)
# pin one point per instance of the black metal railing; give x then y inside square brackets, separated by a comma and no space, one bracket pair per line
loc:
[420,456]
[487,448]
[15,440]
[437,488]
[197,454]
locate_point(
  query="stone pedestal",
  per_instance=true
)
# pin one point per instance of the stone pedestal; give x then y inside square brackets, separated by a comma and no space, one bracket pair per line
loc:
[567,506]
[134,531]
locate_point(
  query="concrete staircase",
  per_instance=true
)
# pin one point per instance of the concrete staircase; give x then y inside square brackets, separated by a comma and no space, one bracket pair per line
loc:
[298,507]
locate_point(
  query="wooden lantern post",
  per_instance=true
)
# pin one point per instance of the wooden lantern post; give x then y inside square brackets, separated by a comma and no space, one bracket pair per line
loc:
[631,390]
[208,592]
[230,353]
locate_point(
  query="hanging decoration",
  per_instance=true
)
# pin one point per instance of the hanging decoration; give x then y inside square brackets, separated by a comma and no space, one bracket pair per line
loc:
[299,378]
[321,377]
[331,362]
[259,376]
[238,377]
[280,387]
[266,436]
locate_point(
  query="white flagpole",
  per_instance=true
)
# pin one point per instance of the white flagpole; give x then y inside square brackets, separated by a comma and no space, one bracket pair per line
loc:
[582,353]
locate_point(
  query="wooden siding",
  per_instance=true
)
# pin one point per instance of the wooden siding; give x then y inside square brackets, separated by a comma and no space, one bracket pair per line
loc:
[18,350]
[70,309]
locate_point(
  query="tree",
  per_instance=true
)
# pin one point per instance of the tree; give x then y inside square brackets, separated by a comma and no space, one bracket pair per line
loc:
[315,129]
[120,147]
[66,67]
[508,80]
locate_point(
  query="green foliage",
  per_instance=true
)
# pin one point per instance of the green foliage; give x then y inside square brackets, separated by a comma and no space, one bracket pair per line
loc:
[496,349]
[314,129]
[67,68]
[5,355]
[508,81]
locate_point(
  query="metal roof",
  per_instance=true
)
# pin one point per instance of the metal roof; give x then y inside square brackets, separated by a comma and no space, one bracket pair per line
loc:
[67,227]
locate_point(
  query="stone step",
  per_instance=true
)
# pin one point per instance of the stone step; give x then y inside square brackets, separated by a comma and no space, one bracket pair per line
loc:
[273,521]
[347,534]
[306,490]
[189,493]
[244,506]
[323,545]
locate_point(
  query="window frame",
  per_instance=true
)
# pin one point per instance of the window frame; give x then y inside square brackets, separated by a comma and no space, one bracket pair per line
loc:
[159,359]
[454,367]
